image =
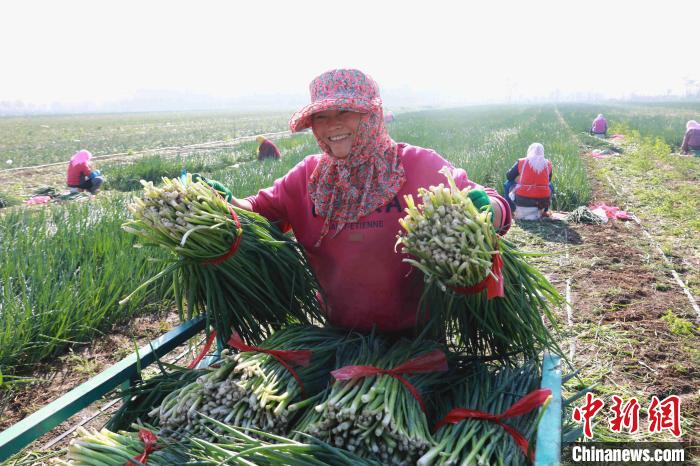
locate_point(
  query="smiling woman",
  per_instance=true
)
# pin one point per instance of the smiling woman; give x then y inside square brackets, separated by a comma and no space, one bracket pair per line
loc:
[337,128]
[344,205]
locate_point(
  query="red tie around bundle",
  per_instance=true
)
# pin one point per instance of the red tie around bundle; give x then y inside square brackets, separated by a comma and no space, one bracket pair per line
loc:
[494,286]
[532,400]
[236,242]
[204,351]
[435,361]
[285,357]
[149,440]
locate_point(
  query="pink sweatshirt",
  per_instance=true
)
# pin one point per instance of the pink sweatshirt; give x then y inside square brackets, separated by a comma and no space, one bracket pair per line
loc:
[600,125]
[365,282]
[75,170]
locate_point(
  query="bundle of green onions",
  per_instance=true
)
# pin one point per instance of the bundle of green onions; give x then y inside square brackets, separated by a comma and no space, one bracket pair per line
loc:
[480,291]
[253,388]
[229,445]
[452,241]
[140,397]
[376,407]
[107,448]
[469,436]
[583,214]
[246,274]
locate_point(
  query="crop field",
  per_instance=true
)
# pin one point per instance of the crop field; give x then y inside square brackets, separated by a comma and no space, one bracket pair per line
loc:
[31,141]
[630,325]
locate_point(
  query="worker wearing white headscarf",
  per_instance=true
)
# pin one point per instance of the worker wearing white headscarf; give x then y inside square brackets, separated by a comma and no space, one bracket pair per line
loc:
[691,139]
[599,127]
[529,180]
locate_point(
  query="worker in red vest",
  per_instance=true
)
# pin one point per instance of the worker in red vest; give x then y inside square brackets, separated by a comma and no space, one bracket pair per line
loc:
[529,181]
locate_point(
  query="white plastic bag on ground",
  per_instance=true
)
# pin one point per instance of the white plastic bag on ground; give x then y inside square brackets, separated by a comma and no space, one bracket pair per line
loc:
[600,212]
[527,213]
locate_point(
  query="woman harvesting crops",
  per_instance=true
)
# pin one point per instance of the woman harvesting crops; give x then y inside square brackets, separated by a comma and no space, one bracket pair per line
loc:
[344,204]
[529,181]
[691,139]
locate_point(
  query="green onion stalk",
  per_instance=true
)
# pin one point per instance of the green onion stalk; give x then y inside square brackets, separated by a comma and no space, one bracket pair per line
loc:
[245,275]
[233,445]
[254,390]
[376,416]
[108,448]
[477,441]
[230,445]
[454,245]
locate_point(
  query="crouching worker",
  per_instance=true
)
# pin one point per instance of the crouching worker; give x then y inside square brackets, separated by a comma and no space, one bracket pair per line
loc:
[267,149]
[81,176]
[529,184]
[691,139]
[599,127]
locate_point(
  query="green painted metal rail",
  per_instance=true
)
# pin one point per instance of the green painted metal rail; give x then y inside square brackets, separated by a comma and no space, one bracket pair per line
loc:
[34,426]
[548,452]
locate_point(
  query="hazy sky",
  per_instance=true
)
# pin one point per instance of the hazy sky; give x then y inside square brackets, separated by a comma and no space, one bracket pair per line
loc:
[70,51]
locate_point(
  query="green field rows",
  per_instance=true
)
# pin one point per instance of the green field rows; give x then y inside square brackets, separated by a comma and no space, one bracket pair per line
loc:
[63,269]
[31,141]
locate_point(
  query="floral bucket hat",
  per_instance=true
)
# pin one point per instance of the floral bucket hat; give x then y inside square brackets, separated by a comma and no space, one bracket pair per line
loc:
[342,89]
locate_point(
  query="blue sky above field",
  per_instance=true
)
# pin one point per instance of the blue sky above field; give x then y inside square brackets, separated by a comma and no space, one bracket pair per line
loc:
[87,52]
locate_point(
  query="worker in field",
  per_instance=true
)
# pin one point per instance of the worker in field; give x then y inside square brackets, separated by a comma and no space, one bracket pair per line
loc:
[529,184]
[691,139]
[266,149]
[81,176]
[345,203]
[599,127]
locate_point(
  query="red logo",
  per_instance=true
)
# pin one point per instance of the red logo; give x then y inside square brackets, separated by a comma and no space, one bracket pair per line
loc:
[665,414]
[587,412]
[626,416]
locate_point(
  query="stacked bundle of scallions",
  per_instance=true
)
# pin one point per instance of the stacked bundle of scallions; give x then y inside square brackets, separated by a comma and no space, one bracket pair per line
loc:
[246,274]
[229,445]
[454,245]
[377,416]
[254,390]
[478,441]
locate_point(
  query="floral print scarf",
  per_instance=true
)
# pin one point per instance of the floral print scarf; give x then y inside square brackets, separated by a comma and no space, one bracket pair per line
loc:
[344,190]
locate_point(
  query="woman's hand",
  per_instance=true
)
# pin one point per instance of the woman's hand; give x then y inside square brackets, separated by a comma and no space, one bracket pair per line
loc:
[482,201]
[218,187]
[479,198]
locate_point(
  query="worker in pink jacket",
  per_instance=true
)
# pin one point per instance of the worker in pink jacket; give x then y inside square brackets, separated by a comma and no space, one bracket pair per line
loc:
[267,149]
[691,139]
[345,203]
[599,128]
[81,176]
